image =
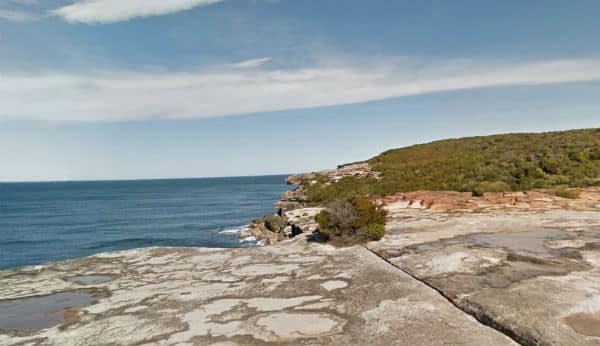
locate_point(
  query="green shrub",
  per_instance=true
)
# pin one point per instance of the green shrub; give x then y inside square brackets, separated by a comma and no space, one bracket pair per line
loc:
[497,186]
[366,212]
[323,219]
[577,156]
[375,231]
[564,193]
[352,220]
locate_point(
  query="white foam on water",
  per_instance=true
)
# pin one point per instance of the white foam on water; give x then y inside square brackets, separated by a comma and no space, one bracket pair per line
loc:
[234,230]
[249,239]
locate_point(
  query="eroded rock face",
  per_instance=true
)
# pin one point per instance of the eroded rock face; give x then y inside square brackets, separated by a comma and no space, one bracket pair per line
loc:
[450,201]
[534,275]
[357,169]
[291,293]
[269,229]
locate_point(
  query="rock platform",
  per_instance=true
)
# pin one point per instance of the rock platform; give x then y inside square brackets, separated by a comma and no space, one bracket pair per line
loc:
[503,269]
[293,293]
[534,275]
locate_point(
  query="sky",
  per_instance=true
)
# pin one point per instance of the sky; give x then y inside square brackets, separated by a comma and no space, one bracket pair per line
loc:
[142,89]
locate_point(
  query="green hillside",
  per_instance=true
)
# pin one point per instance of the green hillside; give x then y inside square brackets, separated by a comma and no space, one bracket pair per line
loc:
[479,164]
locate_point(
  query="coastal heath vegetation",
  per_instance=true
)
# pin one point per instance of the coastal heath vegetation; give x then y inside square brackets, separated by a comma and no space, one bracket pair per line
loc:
[498,163]
[352,220]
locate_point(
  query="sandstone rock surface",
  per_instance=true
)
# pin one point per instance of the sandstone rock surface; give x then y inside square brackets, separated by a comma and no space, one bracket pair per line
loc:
[294,292]
[530,270]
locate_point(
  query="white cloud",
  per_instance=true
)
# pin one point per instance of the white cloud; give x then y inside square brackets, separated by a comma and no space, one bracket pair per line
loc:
[118,95]
[17,16]
[110,11]
[252,62]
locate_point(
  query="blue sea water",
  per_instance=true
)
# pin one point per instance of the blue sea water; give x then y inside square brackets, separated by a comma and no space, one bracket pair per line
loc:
[41,222]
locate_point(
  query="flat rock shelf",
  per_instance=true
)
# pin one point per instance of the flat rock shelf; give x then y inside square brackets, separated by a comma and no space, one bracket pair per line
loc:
[535,276]
[295,292]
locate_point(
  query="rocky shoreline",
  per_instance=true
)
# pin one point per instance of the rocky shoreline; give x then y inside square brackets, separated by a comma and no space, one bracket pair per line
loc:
[477,251]
[501,269]
[295,214]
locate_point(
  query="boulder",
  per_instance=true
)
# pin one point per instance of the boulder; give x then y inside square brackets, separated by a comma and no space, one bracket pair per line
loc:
[275,223]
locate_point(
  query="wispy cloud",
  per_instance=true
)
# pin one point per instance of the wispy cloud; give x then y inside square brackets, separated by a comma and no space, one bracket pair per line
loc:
[252,62]
[17,16]
[119,96]
[110,11]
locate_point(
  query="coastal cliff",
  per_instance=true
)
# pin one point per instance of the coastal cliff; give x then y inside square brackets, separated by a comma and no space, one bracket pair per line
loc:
[509,169]
[470,267]
[493,274]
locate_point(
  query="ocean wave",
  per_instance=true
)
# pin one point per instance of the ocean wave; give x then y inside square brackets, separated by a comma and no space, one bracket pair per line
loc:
[249,239]
[234,230]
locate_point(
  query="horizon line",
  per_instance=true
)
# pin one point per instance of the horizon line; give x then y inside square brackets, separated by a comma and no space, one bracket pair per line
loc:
[137,179]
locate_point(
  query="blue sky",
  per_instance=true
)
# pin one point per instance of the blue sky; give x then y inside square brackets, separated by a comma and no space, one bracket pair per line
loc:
[122,89]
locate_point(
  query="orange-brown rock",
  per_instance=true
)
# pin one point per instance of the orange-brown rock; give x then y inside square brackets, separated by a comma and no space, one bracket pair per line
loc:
[444,201]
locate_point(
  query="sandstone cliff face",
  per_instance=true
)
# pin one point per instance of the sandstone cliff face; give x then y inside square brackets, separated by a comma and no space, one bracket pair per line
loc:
[440,201]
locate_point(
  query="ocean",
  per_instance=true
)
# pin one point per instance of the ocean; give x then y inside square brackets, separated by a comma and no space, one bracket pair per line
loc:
[42,222]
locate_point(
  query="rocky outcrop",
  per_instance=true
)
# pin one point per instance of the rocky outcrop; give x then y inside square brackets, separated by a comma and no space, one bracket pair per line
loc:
[271,229]
[267,230]
[295,208]
[528,267]
[445,201]
[290,294]
[358,169]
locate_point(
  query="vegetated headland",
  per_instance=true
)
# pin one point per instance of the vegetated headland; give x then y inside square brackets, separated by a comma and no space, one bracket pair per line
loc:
[498,163]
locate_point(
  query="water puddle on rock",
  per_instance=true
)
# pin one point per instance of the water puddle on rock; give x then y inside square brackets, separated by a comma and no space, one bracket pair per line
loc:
[90,279]
[36,313]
